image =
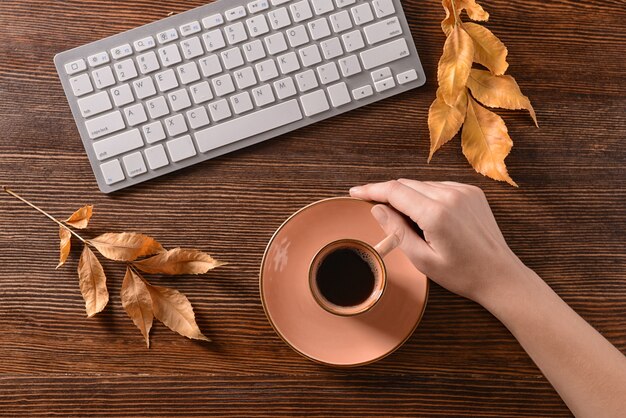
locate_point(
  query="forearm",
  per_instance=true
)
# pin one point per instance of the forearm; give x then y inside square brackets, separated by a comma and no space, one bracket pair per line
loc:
[586,370]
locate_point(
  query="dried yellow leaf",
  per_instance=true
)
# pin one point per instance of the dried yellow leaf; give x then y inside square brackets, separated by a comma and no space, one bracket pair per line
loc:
[455,65]
[65,245]
[486,142]
[175,311]
[137,302]
[488,49]
[499,91]
[80,218]
[126,246]
[445,121]
[453,14]
[473,9]
[92,282]
[178,261]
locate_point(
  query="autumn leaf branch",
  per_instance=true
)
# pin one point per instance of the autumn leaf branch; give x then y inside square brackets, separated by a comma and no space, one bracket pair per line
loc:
[462,89]
[142,301]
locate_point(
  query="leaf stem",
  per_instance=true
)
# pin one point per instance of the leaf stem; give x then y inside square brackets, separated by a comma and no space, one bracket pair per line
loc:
[456,16]
[61,224]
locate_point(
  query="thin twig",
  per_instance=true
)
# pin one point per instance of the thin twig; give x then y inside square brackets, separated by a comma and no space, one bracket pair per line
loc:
[61,224]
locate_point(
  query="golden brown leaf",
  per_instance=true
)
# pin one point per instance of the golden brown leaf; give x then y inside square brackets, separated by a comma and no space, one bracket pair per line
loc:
[474,11]
[65,245]
[455,65]
[445,121]
[92,282]
[499,91]
[175,311]
[486,142]
[448,23]
[178,261]
[137,302]
[126,246]
[80,218]
[488,49]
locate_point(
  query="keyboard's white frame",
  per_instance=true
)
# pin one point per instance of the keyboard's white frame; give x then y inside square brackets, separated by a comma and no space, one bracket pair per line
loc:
[411,62]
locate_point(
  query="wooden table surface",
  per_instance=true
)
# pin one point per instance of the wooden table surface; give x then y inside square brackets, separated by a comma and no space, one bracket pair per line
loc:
[567,221]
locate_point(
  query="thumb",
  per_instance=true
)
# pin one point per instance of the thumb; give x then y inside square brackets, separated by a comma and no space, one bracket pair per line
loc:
[414,247]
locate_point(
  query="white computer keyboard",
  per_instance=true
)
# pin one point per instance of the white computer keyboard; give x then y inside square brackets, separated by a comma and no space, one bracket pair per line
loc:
[228,75]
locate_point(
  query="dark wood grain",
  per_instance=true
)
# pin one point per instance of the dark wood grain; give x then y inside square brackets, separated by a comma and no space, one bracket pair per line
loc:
[567,221]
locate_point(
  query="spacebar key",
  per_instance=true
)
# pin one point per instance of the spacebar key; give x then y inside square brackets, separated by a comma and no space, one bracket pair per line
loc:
[247,126]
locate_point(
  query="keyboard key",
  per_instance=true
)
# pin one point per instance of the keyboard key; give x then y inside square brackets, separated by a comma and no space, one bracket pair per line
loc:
[319,29]
[144,44]
[157,107]
[383,30]
[112,172]
[407,77]
[244,78]
[166,80]
[301,11]
[362,14]
[288,63]
[118,144]
[241,102]
[266,70]
[201,92]
[328,73]
[381,74]
[188,73]
[98,59]
[134,164]
[384,85]
[340,21]
[339,94]
[383,8]
[170,55]
[385,53]
[144,87]
[105,125]
[263,95]
[179,100]
[135,115]
[235,33]
[279,2]
[181,148]
[236,13]
[344,3]
[331,48]
[121,51]
[103,77]
[314,103]
[125,70]
[156,157]
[122,95]
[75,67]
[349,66]
[232,58]
[258,5]
[322,6]
[81,85]
[148,62]
[353,41]
[223,85]
[310,55]
[153,132]
[213,40]
[306,80]
[248,125]
[95,104]
[176,125]
[197,117]
[276,43]
[212,21]
[190,28]
[210,65]
[257,26]
[192,48]
[254,50]
[297,36]
[285,88]
[362,92]
[167,36]
[219,110]
[279,18]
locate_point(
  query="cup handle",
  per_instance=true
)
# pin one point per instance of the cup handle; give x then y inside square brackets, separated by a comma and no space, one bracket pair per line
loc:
[387,245]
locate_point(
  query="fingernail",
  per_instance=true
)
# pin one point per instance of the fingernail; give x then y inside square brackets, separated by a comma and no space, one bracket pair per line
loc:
[355,190]
[380,214]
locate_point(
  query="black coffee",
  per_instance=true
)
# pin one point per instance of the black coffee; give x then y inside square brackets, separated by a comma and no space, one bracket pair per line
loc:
[345,278]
